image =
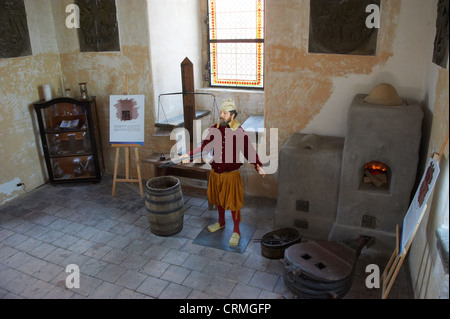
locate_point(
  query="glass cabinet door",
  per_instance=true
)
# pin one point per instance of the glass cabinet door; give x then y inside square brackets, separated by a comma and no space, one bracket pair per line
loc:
[68,141]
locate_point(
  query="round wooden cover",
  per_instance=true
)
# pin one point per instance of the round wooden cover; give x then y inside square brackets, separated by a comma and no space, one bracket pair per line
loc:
[322,260]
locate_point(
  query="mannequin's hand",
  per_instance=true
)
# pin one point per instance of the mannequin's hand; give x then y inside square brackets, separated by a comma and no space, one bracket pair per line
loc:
[185,158]
[260,171]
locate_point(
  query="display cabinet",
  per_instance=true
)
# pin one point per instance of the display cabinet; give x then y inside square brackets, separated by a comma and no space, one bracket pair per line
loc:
[70,139]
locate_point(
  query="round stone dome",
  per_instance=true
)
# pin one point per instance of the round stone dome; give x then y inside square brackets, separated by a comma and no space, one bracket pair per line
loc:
[384,94]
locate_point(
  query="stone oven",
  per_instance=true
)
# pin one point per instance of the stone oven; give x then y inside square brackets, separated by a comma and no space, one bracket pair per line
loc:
[331,189]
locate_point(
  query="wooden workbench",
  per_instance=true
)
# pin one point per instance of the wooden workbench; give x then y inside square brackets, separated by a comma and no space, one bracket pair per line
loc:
[188,170]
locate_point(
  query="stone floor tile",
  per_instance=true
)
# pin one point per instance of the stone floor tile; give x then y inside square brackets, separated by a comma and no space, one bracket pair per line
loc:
[37,290]
[5,233]
[134,262]
[240,274]
[106,290]
[51,236]
[154,268]
[32,265]
[257,262]
[217,267]
[269,295]
[176,257]
[264,280]
[196,262]
[131,279]
[115,256]
[42,250]
[92,267]
[97,251]
[66,241]
[137,246]
[221,287]
[152,287]
[8,274]
[198,280]
[48,272]
[175,291]
[19,283]
[130,294]
[242,291]
[37,231]
[111,273]
[175,274]
[81,246]
[59,293]
[14,240]
[197,294]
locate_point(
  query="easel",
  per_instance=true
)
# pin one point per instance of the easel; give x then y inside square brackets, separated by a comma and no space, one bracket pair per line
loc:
[395,263]
[127,178]
[127,147]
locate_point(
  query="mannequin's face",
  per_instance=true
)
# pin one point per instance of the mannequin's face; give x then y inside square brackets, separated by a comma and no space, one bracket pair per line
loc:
[225,118]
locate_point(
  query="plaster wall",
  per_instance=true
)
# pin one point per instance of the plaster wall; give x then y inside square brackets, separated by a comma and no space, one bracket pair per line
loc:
[21,158]
[429,278]
[311,93]
[175,33]
[105,73]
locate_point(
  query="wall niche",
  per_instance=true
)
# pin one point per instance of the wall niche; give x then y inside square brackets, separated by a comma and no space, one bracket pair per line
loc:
[339,27]
[440,54]
[14,36]
[99,30]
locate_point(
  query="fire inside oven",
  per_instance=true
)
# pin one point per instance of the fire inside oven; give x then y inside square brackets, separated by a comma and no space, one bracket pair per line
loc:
[377,175]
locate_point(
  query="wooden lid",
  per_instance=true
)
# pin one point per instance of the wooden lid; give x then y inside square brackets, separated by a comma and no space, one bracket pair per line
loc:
[322,260]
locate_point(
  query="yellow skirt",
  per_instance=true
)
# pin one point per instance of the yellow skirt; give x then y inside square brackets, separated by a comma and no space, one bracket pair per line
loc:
[226,190]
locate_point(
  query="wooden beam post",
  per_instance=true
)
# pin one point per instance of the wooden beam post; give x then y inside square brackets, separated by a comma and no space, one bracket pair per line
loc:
[187,78]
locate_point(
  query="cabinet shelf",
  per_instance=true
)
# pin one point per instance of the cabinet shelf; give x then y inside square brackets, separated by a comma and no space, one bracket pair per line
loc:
[66,130]
[72,154]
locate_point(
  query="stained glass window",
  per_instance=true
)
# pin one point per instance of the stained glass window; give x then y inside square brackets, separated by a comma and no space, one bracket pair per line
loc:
[236,43]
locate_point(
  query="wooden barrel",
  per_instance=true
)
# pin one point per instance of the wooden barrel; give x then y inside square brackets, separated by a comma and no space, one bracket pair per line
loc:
[164,203]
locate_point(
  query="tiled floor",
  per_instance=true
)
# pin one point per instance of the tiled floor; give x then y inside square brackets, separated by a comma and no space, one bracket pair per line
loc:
[45,230]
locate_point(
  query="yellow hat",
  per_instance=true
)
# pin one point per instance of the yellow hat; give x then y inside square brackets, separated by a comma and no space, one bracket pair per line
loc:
[228,105]
[384,94]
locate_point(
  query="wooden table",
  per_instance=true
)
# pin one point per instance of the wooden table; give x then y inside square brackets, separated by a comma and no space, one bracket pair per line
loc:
[189,170]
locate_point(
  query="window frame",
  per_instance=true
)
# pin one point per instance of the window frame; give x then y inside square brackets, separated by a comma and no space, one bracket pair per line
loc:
[210,41]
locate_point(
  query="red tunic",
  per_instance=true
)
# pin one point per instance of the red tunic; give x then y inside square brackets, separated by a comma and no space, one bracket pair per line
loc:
[236,140]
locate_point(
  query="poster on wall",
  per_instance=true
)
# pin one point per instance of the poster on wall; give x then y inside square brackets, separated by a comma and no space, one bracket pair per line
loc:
[126,119]
[416,209]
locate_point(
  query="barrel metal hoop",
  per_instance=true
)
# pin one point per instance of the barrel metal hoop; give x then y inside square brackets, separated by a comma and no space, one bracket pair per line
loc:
[165,202]
[165,212]
[162,194]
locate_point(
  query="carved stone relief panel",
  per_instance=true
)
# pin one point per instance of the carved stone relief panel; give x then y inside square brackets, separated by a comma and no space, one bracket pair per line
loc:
[99,29]
[339,27]
[440,55]
[14,36]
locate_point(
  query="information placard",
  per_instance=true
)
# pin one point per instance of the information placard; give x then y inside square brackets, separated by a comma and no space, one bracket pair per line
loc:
[416,208]
[127,125]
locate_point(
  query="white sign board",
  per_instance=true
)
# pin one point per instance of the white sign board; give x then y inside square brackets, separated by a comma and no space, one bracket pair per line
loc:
[126,119]
[416,209]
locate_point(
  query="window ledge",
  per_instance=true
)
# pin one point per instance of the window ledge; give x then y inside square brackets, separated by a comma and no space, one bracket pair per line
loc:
[233,90]
[442,246]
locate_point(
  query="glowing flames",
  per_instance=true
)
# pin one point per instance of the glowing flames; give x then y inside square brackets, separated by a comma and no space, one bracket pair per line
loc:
[376,168]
